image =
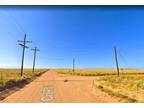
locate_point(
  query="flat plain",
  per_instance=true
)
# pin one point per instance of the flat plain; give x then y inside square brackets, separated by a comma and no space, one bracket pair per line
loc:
[83,85]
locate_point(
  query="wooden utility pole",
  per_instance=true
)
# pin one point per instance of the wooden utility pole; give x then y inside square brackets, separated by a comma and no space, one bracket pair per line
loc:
[1,78]
[73,64]
[35,52]
[23,44]
[116,59]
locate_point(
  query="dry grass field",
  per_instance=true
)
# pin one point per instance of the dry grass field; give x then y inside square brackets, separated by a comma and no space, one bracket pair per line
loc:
[95,85]
[129,86]
[11,76]
[100,72]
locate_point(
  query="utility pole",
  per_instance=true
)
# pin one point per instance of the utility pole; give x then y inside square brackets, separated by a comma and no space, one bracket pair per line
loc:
[73,64]
[116,59]
[35,52]
[1,78]
[23,44]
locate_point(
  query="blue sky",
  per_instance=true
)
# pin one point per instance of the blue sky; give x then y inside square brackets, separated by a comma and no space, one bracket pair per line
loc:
[61,33]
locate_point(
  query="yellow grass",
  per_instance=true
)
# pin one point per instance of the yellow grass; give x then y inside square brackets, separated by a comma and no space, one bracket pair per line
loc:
[98,72]
[130,86]
[14,74]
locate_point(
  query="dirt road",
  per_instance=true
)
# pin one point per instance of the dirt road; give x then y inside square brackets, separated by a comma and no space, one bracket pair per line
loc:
[53,87]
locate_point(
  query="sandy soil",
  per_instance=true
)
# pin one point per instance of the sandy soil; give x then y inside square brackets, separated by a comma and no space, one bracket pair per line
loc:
[53,87]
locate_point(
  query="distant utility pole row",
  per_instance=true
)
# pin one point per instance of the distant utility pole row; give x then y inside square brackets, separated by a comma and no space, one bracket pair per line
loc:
[24,46]
[23,43]
[116,60]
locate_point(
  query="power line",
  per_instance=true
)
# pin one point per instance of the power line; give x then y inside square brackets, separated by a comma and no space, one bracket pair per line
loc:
[10,24]
[55,59]
[16,21]
[123,59]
